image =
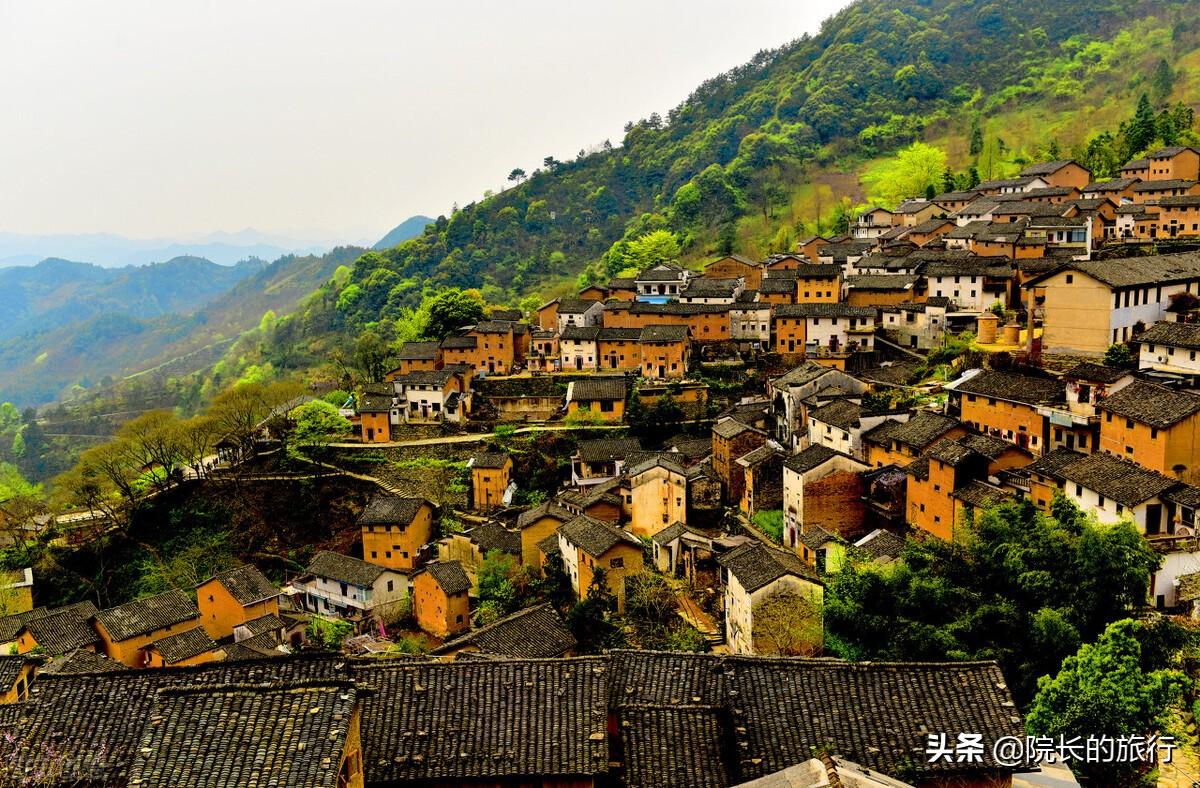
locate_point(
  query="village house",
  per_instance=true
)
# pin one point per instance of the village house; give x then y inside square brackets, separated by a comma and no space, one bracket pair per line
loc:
[761,471]
[899,442]
[393,530]
[822,487]
[471,546]
[601,460]
[539,523]
[732,438]
[1153,191]
[881,545]
[191,647]
[416,357]
[1118,190]
[430,397]
[666,352]
[536,632]
[661,283]
[1173,163]
[776,290]
[576,312]
[733,266]
[345,587]
[57,633]
[491,475]
[375,415]
[440,598]
[1178,217]
[810,246]
[1006,405]
[821,550]
[1024,183]
[911,213]
[577,348]
[543,354]
[16,674]
[1170,348]
[790,392]
[233,597]
[659,486]
[872,223]
[587,544]
[873,290]
[932,481]
[1155,426]
[600,398]
[1044,478]
[753,573]
[126,630]
[619,349]
[1114,488]
[820,330]
[605,501]
[703,290]
[840,424]
[1059,173]
[918,325]
[1077,426]
[817,283]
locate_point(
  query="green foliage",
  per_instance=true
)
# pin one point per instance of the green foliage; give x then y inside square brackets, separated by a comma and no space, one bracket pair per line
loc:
[329,633]
[1105,690]
[651,249]
[591,620]
[770,522]
[1119,356]
[318,423]
[914,170]
[451,309]
[1017,586]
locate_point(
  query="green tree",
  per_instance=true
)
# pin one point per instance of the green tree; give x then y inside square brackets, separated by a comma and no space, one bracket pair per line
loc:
[452,309]
[372,355]
[1141,131]
[1104,690]
[914,169]
[976,145]
[591,619]
[659,246]
[1119,356]
[1162,81]
[318,423]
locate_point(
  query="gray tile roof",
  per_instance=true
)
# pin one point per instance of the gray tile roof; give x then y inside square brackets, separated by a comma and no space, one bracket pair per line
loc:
[344,569]
[449,575]
[147,615]
[390,510]
[981,494]
[881,543]
[1096,373]
[491,535]
[229,736]
[922,428]
[1046,168]
[809,458]
[1163,185]
[1013,387]
[184,645]
[1125,482]
[246,584]
[756,565]
[61,631]
[987,445]
[1184,335]
[596,537]
[607,449]
[824,309]
[664,334]
[268,623]
[579,333]
[547,509]
[535,632]
[598,388]
[418,351]
[81,661]
[490,460]
[1112,185]
[694,757]
[1150,403]
[10,670]
[841,413]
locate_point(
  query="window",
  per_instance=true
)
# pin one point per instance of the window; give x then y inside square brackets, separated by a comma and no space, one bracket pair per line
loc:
[616,563]
[1079,491]
[374,554]
[458,619]
[390,585]
[1101,503]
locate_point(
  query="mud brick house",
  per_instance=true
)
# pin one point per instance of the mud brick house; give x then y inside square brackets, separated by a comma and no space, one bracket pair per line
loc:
[58,633]
[416,357]
[734,266]
[732,438]
[536,632]
[491,474]
[825,488]
[599,397]
[600,460]
[752,573]
[841,423]
[778,290]
[126,630]
[586,544]
[666,352]
[947,468]
[537,524]
[895,442]
[659,487]
[790,392]
[1157,427]
[761,472]
[16,673]
[703,290]
[233,597]
[1059,173]
[440,598]
[393,530]
[1008,405]
[374,415]
[1173,163]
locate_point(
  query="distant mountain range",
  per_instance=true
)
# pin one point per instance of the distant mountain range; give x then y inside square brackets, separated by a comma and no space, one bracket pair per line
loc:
[111,251]
[409,228]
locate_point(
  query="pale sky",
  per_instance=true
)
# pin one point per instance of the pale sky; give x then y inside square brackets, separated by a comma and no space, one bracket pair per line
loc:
[332,120]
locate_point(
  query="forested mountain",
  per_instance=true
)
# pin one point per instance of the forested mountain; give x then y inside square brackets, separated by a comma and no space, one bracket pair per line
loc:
[407,230]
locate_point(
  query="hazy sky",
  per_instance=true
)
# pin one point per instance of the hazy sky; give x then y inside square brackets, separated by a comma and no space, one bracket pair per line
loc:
[331,120]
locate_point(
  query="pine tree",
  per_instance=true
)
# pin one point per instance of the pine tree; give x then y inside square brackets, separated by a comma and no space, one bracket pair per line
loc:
[976,139]
[1161,81]
[1140,131]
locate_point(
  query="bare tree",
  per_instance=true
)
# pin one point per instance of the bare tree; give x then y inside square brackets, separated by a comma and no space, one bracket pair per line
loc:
[788,623]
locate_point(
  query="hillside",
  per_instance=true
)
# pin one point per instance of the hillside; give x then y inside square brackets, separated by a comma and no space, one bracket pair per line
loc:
[115,251]
[407,230]
[738,160]
[81,325]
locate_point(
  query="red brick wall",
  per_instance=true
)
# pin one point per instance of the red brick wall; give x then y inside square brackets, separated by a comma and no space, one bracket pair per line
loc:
[835,504]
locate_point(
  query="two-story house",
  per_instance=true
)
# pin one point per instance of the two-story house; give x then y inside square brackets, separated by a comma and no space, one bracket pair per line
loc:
[233,597]
[393,530]
[586,544]
[340,585]
[751,574]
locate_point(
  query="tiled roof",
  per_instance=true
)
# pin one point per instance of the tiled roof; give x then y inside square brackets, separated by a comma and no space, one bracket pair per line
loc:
[677,308]
[81,661]
[1125,482]
[921,429]
[10,626]
[816,271]
[950,452]
[675,746]
[1052,462]
[664,272]
[418,351]
[607,449]
[981,494]
[596,537]
[897,374]
[1184,335]
[344,568]
[731,428]
[268,623]
[823,309]
[10,670]
[246,584]
[1150,403]
[881,282]
[811,457]
[390,510]
[144,616]
[1164,185]
[449,575]
[622,283]
[598,388]
[756,565]
[1045,168]
[184,645]
[815,537]
[459,343]
[579,333]
[876,714]
[987,445]
[490,460]
[549,545]
[703,287]
[1139,271]
[374,403]
[484,720]
[664,333]
[574,306]
[841,413]
[1013,387]
[1097,373]
[534,632]
[1112,185]
[491,535]
[759,455]
[619,334]
[1169,152]
[492,327]
[242,735]
[61,631]
[547,509]
[802,375]
[644,461]
[881,543]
